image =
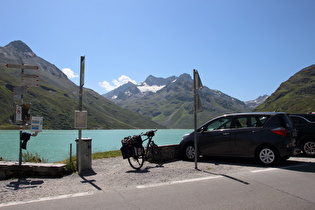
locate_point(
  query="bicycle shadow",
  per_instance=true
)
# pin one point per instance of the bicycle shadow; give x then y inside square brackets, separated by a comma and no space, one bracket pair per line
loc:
[145,170]
[24,184]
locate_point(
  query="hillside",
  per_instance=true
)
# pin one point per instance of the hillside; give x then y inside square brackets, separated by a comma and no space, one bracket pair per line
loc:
[296,95]
[57,97]
[252,104]
[169,101]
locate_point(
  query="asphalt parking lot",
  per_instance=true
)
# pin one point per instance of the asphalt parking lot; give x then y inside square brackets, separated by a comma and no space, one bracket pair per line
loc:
[115,173]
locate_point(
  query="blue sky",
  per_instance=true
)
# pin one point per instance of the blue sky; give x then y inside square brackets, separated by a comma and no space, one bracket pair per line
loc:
[244,48]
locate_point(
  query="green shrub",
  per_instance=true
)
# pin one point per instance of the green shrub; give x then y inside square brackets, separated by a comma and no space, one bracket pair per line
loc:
[34,158]
[70,166]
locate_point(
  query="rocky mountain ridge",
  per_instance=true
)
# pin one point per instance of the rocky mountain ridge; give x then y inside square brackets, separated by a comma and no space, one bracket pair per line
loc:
[169,101]
[56,97]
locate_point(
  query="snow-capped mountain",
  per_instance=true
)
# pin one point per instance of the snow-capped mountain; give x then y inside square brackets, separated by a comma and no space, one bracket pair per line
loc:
[169,101]
[150,85]
[254,103]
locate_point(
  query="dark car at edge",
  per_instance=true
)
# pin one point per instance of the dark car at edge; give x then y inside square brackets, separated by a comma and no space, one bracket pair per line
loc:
[305,126]
[269,137]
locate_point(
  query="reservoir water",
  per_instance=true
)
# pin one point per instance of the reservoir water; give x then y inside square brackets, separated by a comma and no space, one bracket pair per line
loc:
[54,145]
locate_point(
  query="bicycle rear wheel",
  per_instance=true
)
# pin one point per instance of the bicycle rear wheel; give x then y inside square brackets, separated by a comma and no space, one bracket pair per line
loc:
[136,161]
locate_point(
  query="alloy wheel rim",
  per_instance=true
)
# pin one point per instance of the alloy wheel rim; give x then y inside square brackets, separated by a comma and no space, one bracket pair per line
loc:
[267,156]
[309,148]
[190,152]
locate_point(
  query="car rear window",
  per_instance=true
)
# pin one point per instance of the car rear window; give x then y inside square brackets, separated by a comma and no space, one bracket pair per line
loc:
[258,121]
[285,121]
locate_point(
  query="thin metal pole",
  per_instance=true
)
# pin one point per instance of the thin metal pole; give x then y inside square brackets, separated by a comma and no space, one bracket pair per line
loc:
[195,120]
[79,149]
[20,154]
[70,152]
[21,128]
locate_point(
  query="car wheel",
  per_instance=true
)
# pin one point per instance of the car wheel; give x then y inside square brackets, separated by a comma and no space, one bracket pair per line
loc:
[309,147]
[189,152]
[267,155]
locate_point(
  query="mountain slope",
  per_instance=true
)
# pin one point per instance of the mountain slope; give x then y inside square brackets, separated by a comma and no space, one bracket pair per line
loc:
[252,104]
[57,97]
[296,95]
[170,101]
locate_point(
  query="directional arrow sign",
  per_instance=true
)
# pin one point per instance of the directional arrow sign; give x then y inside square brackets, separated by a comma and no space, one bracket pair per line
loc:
[18,66]
[20,90]
[29,82]
[29,76]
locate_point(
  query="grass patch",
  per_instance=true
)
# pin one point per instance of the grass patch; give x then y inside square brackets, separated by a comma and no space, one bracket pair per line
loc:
[9,127]
[71,166]
[108,154]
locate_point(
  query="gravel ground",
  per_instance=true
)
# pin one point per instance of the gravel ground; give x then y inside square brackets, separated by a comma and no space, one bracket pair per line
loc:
[116,173]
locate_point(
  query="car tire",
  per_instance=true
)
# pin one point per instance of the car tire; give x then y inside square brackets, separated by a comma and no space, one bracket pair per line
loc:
[189,152]
[308,147]
[267,155]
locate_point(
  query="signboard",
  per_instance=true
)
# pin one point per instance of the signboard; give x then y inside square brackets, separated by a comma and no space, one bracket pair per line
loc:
[80,119]
[18,66]
[82,71]
[30,81]
[197,81]
[36,124]
[18,113]
[20,90]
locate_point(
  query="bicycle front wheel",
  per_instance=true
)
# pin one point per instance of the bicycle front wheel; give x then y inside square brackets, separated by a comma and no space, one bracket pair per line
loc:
[136,161]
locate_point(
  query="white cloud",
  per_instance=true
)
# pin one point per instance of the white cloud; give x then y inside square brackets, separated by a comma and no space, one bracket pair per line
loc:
[123,79]
[70,74]
[106,86]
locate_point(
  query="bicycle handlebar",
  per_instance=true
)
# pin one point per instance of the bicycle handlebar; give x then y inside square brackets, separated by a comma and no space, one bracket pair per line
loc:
[149,133]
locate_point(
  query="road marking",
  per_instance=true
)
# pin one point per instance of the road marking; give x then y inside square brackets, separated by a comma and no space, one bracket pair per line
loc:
[178,182]
[263,170]
[273,169]
[47,199]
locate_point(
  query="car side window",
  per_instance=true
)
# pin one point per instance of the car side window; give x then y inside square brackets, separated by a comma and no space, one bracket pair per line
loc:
[247,122]
[221,123]
[302,122]
[240,122]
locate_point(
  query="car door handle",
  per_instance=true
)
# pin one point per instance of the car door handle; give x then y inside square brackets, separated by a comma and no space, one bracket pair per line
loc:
[225,134]
[255,131]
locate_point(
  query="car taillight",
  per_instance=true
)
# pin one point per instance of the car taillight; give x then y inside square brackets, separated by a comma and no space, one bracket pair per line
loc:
[279,131]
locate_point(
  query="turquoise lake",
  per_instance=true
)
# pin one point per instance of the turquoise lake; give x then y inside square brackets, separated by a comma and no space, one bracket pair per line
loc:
[54,145]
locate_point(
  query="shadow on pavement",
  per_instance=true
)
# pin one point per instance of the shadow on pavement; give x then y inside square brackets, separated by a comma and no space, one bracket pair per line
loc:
[24,184]
[295,163]
[85,180]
